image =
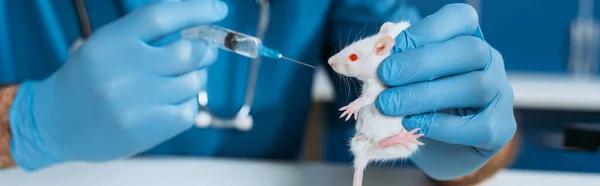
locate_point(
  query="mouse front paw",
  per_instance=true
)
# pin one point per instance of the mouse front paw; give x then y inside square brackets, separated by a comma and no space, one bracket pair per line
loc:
[350,109]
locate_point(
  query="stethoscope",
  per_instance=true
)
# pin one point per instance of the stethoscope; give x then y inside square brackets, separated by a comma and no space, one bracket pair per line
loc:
[243,119]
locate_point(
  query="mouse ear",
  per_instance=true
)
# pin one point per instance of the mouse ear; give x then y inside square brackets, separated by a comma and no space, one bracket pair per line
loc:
[385,27]
[383,45]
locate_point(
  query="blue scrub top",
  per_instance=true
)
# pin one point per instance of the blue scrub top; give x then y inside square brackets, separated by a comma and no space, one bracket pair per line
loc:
[35,36]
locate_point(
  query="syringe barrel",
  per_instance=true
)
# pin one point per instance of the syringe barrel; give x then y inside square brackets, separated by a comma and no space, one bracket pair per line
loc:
[224,38]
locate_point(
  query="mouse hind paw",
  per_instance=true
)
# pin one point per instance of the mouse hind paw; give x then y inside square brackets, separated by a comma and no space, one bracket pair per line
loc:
[403,138]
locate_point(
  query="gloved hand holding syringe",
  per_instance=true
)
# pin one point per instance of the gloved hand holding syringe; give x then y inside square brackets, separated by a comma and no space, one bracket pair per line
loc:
[234,42]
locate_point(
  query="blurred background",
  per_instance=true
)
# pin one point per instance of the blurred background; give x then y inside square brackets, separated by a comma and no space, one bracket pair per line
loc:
[550,51]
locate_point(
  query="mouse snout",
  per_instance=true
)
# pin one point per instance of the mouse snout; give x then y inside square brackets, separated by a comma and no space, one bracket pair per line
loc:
[333,62]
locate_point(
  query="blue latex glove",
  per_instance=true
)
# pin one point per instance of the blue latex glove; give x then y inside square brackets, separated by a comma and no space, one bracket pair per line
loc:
[440,66]
[117,95]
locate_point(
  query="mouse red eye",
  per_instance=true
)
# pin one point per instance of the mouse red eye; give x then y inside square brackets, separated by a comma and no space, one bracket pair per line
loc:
[353,57]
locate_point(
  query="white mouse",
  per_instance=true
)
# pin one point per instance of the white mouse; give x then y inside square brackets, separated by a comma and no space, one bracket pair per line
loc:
[378,137]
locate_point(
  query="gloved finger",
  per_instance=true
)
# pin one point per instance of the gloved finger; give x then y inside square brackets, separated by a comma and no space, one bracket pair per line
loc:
[170,38]
[158,20]
[472,90]
[175,90]
[450,21]
[182,57]
[130,6]
[164,41]
[487,130]
[456,56]
[160,122]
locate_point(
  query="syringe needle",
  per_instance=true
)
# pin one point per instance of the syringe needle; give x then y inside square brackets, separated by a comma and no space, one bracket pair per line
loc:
[297,62]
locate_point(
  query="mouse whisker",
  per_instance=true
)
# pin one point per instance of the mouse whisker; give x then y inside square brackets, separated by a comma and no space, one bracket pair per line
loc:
[349,82]
[338,78]
[348,36]
[347,86]
[362,32]
[356,87]
[333,50]
[349,94]
[339,39]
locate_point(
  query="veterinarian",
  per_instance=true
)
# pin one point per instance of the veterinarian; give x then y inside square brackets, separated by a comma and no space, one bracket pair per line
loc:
[131,88]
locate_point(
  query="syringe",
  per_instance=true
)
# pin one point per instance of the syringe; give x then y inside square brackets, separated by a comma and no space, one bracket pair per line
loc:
[235,42]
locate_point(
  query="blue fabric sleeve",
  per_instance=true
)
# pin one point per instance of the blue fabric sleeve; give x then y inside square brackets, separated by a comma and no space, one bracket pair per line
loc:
[4,45]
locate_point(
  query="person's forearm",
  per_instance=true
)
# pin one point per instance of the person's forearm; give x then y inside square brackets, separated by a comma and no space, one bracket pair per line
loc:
[500,161]
[7,94]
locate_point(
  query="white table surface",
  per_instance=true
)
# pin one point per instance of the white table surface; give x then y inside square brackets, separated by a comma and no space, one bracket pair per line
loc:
[550,91]
[201,172]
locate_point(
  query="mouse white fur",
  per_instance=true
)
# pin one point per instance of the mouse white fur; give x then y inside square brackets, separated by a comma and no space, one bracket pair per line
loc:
[378,137]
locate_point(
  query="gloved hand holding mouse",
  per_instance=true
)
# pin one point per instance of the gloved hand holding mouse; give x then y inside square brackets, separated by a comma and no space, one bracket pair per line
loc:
[108,101]
[449,82]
